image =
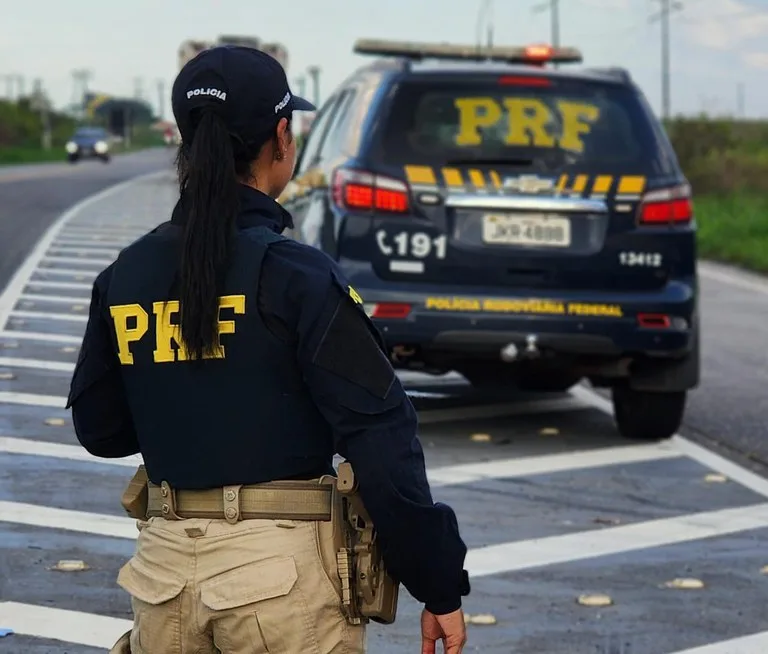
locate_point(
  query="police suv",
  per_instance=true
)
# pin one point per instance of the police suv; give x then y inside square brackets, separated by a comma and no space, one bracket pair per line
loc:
[521,224]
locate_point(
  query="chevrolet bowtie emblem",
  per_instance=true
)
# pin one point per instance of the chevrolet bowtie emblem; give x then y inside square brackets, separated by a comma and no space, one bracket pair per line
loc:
[529,184]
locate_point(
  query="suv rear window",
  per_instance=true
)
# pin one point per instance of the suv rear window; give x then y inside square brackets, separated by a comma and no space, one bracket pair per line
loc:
[555,126]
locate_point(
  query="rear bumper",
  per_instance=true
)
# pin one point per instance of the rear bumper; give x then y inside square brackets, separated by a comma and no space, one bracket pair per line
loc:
[588,323]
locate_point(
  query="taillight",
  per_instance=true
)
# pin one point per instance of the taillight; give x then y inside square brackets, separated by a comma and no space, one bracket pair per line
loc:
[653,321]
[388,310]
[668,206]
[355,189]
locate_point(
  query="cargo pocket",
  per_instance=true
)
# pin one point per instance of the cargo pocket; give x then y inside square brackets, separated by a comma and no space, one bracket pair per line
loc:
[260,609]
[156,601]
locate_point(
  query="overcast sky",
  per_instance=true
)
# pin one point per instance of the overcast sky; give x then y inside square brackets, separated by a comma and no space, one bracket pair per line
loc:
[716,44]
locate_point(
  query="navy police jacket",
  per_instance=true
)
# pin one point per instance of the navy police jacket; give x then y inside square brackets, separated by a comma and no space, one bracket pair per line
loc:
[300,375]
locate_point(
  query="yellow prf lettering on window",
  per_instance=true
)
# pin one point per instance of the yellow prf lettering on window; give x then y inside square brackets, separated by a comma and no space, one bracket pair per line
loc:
[473,114]
[577,120]
[125,336]
[166,333]
[528,120]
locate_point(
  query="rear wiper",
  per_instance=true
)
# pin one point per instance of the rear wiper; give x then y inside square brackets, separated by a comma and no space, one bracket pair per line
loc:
[505,161]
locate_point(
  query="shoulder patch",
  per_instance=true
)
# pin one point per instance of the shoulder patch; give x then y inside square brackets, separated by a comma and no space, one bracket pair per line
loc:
[354,295]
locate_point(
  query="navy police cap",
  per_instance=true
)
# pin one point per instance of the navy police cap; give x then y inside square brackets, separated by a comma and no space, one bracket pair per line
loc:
[247,87]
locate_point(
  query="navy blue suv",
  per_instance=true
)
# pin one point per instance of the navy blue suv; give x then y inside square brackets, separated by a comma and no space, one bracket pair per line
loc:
[524,225]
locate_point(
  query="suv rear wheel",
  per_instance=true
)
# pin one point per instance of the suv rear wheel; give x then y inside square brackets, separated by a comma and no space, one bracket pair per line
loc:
[648,415]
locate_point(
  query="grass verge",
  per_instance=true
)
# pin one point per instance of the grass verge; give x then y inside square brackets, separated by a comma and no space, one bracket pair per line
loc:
[734,229]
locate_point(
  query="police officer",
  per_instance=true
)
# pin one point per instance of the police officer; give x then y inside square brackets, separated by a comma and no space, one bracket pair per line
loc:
[231,357]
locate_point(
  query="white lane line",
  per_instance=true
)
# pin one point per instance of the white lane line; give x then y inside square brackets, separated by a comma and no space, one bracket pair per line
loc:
[36,364]
[752,283]
[538,552]
[41,336]
[84,243]
[66,272]
[752,644]
[45,315]
[547,464]
[78,260]
[15,286]
[68,286]
[27,447]
[438,476]
[702,455]
[33,399]
[58,299]
[65,250]
[499,410]
[480,562]
[75,627]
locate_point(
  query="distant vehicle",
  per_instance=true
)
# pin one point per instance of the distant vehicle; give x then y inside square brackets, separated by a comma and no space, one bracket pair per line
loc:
[88,143]
[525,226]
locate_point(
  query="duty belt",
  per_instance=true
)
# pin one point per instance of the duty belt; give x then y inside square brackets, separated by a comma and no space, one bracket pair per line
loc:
[276,500]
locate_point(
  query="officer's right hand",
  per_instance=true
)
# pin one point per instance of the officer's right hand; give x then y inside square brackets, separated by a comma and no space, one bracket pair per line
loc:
[449,628]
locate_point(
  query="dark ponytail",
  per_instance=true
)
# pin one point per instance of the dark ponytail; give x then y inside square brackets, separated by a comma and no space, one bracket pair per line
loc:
[209,186]
[210,170]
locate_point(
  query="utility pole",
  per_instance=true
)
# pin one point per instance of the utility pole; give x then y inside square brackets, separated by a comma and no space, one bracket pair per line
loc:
[40,103]
[667,7]
[301,83]
[138,88]
[160,99]
[740,101]
[80,79]
[314,73]
[553,7]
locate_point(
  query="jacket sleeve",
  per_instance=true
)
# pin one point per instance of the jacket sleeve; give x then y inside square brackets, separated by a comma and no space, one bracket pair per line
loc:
[100,411]
[375,425]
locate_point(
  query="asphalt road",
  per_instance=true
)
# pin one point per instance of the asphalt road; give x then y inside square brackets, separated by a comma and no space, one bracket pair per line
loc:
[32,197]
[552,503]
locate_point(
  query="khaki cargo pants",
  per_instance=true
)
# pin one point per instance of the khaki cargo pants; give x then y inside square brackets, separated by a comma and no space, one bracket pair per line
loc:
[201,586]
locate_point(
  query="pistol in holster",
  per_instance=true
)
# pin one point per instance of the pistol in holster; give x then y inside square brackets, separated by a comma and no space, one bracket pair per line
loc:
[368,591]
[136,496]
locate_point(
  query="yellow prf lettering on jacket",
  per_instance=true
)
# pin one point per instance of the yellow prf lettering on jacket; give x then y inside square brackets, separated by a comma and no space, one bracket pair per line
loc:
[166,332]
[528,120]
[127,335]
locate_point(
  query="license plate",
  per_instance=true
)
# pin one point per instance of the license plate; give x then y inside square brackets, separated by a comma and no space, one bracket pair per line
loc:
[526,230]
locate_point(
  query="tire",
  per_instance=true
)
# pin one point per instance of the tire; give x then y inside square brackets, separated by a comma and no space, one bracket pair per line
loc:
[648,415]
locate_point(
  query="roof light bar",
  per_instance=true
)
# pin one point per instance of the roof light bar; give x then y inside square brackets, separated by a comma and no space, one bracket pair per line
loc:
[416,50]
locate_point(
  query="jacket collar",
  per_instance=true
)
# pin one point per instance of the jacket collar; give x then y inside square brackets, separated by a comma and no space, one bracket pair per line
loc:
[256,209]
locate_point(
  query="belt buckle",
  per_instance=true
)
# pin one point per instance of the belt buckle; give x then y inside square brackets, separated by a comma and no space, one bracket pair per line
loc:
[231,497]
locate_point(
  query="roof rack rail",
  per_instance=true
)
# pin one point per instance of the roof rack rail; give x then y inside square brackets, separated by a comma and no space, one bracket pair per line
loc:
[412,50]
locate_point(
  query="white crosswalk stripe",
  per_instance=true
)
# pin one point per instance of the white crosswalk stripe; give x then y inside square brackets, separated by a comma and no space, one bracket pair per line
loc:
[535,486]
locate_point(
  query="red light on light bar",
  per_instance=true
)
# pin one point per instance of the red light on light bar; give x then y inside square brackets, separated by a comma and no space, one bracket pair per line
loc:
[653,321]
[521,80]
[391,310]
[539,52]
